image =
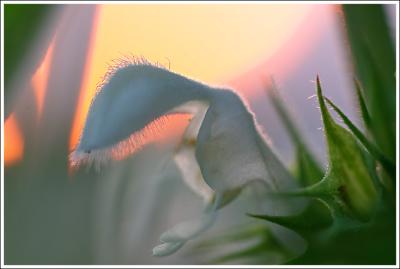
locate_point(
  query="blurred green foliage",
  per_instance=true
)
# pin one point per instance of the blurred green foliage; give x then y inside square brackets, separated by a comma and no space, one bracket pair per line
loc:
[22,25]
[307,169]
[374,62]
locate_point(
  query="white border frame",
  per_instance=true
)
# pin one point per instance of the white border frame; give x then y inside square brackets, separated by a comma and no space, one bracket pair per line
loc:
[186,3]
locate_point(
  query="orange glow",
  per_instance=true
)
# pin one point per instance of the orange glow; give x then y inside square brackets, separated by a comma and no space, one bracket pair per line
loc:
[286,60]
[13,141]
[40,78]
[87,91]
[164,129]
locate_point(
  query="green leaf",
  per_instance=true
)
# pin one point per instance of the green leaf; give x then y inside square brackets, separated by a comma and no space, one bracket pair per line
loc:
[307,169]
[363,107]
[375,152]
[369,243]
[374,62]
[22,24]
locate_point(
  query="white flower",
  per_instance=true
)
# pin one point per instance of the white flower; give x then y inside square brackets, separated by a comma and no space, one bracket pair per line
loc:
[222,149]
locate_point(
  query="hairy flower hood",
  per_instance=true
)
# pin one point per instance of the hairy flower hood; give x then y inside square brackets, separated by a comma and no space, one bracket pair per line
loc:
[222,149]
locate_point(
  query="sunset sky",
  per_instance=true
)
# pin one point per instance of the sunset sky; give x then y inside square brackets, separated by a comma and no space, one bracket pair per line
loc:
[213,43]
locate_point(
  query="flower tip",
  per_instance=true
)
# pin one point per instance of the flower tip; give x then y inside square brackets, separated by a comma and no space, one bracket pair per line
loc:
[166,249]
[98,158]
[77,157]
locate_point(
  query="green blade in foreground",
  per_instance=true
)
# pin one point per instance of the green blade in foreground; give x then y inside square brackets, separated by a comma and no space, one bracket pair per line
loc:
[374,62]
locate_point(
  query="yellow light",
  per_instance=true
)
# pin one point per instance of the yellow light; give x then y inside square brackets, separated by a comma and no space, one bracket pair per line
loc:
[211,42]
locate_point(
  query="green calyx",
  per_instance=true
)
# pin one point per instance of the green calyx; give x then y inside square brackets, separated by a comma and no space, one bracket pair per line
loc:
[348,182]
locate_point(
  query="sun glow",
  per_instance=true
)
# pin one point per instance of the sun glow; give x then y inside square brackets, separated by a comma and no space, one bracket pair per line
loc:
[13,138]
[13,141]
[41,77]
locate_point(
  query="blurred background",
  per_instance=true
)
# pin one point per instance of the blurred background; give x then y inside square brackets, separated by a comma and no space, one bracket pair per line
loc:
[55,55]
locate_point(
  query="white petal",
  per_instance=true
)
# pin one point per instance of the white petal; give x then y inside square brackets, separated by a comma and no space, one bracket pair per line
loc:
[232,153]
[184,156]
[230,147]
